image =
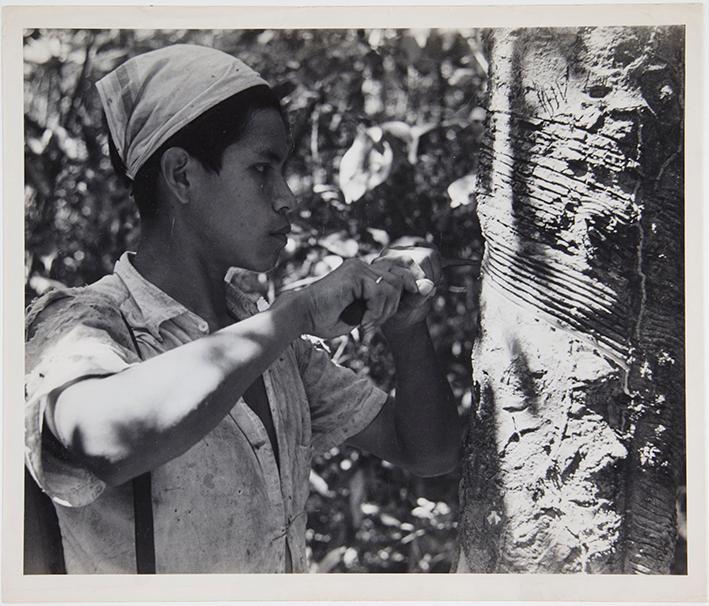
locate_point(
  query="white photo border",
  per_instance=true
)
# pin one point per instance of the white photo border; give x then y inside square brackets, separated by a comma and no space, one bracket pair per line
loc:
[372,587]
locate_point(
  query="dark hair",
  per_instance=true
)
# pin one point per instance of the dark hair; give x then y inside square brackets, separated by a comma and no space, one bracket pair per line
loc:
[205,138]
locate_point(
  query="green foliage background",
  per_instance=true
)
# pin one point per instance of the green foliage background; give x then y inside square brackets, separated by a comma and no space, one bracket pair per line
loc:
[364,515]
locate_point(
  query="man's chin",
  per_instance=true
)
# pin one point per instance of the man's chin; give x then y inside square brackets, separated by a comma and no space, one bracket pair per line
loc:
[261,267]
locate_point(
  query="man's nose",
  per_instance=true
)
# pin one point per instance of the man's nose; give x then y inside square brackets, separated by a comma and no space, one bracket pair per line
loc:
[284,201]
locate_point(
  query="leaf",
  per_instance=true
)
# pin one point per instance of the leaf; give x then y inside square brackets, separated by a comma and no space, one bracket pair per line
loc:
[345,464]
[422,36]
[409,135]
[265,36]
[340,244]
[365,165]
[40,284]
[369,160]
[73,147]
[350,557]
[422,512]
[380,236]
[107,60]
[327,192]
[405,241]
[376,38]
[479,57]
[478,114]
[462,190]
[399,129]
[389,520]
[48,259]
[358,491]
[410,45]
[300,97]
[441,509]
[319,485]
[332,558]
[414,535]
[42,50]
[39,145]
[29,260]
[463,76]
[373,93]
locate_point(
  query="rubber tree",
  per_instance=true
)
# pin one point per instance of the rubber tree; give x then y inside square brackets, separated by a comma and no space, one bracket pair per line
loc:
[575,450]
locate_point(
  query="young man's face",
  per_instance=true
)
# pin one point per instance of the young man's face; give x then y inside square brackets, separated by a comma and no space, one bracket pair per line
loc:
[239,214]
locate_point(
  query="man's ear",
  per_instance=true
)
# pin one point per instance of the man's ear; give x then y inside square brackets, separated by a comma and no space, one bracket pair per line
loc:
[173,165]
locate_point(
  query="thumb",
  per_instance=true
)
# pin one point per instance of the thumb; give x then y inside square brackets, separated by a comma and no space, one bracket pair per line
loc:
[425,286]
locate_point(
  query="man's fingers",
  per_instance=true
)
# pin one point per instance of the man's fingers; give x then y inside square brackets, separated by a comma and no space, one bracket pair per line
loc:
[376,293]
[393,293]
[428,258]
[402,260]
[381,285]
[421,261]
[408,280]
[425,287]
[417,286]
[431,264]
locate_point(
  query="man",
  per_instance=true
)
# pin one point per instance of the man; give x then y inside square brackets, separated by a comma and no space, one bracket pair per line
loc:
[171,422]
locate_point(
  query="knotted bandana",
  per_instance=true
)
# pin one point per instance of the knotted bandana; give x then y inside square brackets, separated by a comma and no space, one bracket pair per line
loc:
[152,96]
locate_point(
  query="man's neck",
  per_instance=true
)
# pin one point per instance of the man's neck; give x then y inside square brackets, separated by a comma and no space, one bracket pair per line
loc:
[187,277]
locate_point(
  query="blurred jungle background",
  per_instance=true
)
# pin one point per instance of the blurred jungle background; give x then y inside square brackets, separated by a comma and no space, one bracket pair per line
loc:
[386,126]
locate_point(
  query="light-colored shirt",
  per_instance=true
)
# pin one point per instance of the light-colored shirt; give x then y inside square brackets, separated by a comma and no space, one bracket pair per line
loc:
[224,505]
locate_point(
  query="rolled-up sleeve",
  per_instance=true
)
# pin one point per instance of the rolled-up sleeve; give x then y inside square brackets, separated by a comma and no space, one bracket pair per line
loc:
[69,338]
[342,403]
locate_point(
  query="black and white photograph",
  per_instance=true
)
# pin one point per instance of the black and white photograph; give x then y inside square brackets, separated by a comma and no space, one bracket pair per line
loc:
[355,300]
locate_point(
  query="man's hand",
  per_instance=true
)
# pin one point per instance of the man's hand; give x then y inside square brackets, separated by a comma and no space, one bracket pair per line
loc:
[396,291]
[418,270]
[324,301]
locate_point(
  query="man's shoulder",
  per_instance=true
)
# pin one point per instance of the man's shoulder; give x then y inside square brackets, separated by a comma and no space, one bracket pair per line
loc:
[105,298]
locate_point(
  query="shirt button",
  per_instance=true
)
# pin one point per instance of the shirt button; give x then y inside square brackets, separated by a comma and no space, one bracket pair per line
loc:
[203,326]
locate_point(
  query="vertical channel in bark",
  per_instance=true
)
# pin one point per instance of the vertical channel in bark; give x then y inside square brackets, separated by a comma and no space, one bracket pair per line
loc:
[576,445]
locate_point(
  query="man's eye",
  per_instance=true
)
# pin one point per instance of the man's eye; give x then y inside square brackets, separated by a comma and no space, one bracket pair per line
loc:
[261,168]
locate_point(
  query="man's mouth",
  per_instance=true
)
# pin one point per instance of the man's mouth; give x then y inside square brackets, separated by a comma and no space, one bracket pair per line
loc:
[283,231]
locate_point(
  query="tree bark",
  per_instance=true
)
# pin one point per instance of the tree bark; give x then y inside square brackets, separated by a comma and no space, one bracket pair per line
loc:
[575,452]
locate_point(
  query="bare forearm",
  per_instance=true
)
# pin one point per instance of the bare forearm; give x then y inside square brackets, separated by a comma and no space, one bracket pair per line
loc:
[426,418]
[138,419]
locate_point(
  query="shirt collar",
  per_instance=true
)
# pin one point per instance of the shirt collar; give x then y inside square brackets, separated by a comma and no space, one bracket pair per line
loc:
[156,306]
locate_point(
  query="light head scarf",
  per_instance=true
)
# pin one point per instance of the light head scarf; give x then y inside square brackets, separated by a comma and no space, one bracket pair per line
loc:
[152,96]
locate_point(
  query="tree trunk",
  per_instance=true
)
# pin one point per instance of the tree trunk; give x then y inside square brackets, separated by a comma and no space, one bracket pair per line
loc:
[575,453]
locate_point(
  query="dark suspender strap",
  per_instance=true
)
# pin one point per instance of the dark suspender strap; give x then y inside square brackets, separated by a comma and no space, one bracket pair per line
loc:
[144,537]
[143,508]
